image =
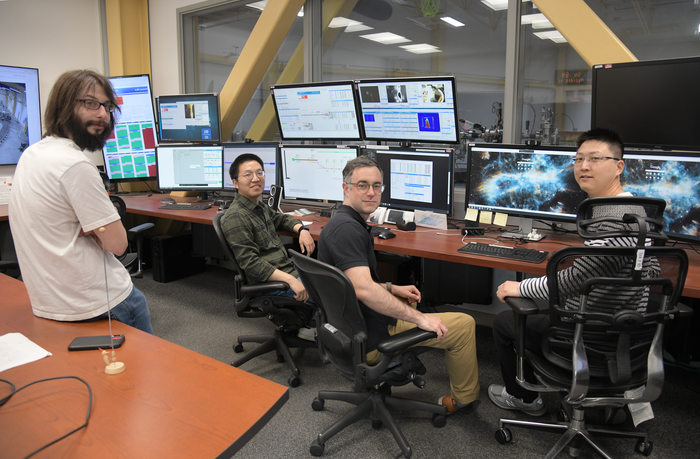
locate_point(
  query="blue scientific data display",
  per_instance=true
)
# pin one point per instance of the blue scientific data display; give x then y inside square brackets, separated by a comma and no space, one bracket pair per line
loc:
[314,172]
[189,118]
[189,167]
[316,111]
[267,152]
[674,177]
[416,179]
[534,182]
[130,152]
[20,112]
[413,109]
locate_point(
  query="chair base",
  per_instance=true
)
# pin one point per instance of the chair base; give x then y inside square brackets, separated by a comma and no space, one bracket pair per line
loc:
[575,432]
[281,343]
[375,405]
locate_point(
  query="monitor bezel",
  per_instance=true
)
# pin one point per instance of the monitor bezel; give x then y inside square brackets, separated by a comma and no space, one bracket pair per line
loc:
[225,173]
[399,80]
[185,97]
[189,188]
[287,138]
[37,109]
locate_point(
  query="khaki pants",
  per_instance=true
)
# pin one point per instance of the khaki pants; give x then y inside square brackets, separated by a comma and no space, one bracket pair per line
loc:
[460,353]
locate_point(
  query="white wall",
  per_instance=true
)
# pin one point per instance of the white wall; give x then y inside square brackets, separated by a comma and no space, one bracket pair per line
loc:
[53,36]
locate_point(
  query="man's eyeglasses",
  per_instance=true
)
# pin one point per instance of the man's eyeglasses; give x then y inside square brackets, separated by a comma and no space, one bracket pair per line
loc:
[578,161]
[249,175]
[363,187]
[92,104]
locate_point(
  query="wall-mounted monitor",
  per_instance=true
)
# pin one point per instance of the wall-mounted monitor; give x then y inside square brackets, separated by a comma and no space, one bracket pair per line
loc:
[674,177]
[314,172]
[316,111]
[20,111]
[651,104]
[130,152]
[189,118]
[189,167]
[416,179]
[409,109]
[268,152]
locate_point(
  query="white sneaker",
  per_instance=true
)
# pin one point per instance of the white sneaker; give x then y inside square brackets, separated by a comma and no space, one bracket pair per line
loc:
[502,399]
[309,334]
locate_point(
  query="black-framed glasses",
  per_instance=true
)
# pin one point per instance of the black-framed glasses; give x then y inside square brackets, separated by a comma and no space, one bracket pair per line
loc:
[363,187]
[92,104]
[249,175]
[578,161]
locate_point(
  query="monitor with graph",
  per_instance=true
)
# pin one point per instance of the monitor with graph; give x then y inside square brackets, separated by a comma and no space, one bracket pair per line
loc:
[189,167]
[266,151]
[314,172]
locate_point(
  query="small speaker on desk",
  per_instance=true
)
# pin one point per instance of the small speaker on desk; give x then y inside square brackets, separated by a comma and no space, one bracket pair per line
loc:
[405,226]
[275,197]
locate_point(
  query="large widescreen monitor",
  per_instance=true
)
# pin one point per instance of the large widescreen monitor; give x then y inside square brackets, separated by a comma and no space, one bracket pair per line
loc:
[316,111]
[314,172]
[189,118]
[651,104]
[268,152]
[534,182]
[416,179]
[189,167]
[674,177]
[20,112]
[130,152]
[409,109]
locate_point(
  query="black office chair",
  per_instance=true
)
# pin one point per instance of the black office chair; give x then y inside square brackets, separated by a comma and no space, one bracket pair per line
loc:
[128,258]
[589,354]
[342,337]
[287,314]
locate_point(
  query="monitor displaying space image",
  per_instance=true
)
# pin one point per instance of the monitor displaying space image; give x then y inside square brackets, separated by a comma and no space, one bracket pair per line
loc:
[20,111]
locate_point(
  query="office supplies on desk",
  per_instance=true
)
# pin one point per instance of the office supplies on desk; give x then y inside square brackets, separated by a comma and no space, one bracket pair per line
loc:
[501,251]
[186,206]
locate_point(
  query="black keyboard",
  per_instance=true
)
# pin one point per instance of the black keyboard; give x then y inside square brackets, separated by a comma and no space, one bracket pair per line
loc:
[517,254]
[186,206]
[377,230]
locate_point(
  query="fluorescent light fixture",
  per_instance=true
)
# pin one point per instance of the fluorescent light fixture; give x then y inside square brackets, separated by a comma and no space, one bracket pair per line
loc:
[538,21]
[423,48]
[349,24]
[553,35]
[301,12]
[451,21]
[359,27]
[497,5]
[258,5]
[386,38]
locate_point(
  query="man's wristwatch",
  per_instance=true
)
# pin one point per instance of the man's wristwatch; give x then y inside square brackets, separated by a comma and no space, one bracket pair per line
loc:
[302,228]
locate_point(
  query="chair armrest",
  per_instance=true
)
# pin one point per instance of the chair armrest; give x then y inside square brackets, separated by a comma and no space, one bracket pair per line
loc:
[141,228]
[404,340]
[264,287]
[684,311]
[522,306]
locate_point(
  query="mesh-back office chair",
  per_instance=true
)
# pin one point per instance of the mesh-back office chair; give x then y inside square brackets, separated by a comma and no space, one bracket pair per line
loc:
[342,337]
[129,259]
[287,314]
[593,355]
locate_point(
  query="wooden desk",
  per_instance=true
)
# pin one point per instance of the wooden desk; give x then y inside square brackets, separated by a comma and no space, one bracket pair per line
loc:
[170,401]
[420,243]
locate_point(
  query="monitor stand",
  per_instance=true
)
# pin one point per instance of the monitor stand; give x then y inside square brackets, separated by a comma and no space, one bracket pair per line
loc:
[204,197]
[525,231]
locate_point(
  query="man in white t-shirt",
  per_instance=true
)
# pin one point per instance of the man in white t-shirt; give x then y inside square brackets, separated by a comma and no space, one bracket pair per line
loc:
[58,205]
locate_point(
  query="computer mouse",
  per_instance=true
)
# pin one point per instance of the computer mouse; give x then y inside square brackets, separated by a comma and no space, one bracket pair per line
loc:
[386,233]
[167,201]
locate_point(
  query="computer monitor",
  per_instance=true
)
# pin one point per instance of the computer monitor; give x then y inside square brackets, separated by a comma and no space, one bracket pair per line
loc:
[267,151]
[190,168]
[20,112]
[651,104]
[189,118]
[416,179]
[533,182]
[674,177]
[314,172]
[409,109]
[316,111]
[130,152]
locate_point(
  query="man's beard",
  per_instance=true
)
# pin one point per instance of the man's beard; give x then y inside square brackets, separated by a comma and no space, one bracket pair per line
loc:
[82,137]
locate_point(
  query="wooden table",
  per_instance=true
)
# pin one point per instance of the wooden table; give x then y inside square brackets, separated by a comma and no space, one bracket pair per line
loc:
[169,403]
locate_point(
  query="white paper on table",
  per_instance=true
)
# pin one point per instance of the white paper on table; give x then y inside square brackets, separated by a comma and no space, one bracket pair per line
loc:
[16,349]
[430,220]
[5,186]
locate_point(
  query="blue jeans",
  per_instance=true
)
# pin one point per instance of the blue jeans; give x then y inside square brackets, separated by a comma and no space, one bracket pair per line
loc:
[289,293]
[132,311]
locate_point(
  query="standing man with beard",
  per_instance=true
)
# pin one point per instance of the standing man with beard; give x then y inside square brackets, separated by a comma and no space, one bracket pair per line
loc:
[58,204]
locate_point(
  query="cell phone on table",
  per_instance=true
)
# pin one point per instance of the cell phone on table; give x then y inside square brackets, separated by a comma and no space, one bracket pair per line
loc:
[87,343]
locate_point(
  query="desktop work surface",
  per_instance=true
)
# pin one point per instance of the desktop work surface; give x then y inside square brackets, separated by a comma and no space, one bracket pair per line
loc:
[170,401]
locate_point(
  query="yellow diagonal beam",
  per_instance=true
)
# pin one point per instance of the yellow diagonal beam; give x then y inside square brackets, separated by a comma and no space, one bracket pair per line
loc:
[585,31]
[128,37]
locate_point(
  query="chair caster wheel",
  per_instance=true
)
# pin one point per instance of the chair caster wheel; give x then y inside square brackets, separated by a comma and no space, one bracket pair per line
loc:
[293,381]
[439,420]
[238,348]
[644,447]
[318,404]
[562,416]
[377,424]
[503,435]
[316,449]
